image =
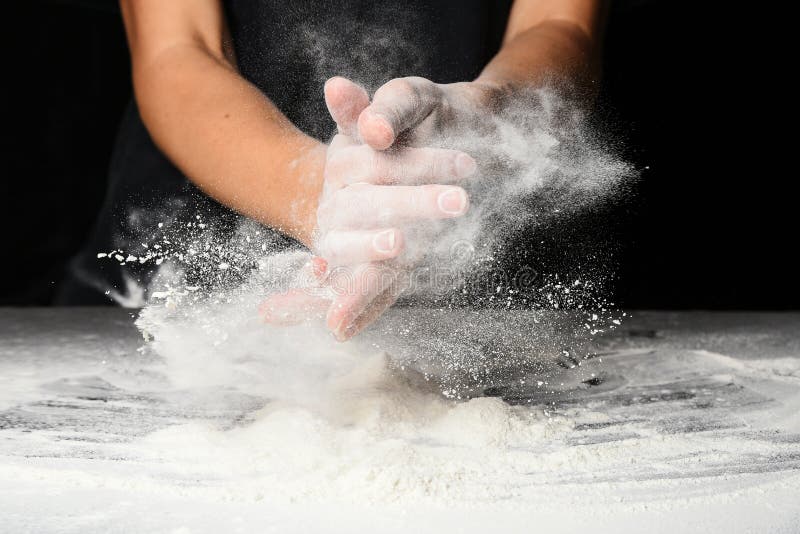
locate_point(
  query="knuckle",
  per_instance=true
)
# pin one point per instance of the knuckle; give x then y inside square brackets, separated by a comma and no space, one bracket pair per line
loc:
[338,166]
[394,86]
[399,88]
[324,213]
[405,85]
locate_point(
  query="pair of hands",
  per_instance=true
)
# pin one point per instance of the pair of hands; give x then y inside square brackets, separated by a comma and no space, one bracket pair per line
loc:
[380,181]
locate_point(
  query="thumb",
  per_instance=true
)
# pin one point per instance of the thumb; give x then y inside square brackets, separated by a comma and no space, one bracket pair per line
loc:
[399,105]
[345,100]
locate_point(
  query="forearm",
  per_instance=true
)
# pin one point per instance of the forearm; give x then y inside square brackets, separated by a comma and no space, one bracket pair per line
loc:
[550,42]
[553,52]
[229,139]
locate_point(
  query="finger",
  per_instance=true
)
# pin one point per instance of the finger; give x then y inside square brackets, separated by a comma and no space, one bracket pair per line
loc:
[362,206]
[376,308]
[354,290]
[343,247]
[345,100]
[352,163]
[399,105]
[319,268]
[294,306]
[312,274]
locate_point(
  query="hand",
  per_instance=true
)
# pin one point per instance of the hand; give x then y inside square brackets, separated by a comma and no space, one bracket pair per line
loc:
[412,111]
[368,198]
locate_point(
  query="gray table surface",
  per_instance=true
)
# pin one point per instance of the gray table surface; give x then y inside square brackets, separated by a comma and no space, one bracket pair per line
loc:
[74,384]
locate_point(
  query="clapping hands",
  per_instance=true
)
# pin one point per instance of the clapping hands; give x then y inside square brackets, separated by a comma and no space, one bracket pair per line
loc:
[380,179]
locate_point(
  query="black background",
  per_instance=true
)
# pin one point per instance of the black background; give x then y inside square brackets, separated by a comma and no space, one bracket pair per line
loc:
[712,226]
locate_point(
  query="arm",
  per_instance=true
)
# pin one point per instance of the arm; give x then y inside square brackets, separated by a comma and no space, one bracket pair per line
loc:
[548,40]
[220,130]
[553,42]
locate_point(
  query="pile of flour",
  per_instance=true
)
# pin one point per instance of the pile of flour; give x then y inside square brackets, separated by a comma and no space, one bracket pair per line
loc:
[380,440]
[384,418]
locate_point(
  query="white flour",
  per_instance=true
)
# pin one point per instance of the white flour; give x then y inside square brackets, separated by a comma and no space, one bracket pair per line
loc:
[381,442]
[108,439]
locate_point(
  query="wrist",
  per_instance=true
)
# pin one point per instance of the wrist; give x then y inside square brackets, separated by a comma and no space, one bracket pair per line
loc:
[309,169]
[481,96]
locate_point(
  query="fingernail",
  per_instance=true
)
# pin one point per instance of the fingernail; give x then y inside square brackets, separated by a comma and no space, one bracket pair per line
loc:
[340,330]
[349,332]
[453,201]
[384,241]
[465,166]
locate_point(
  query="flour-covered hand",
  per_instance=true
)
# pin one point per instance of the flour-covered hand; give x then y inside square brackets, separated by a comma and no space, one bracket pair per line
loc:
[368,197]
[411,111]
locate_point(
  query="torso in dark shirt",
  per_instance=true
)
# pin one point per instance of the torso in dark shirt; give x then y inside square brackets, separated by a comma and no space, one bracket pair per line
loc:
[289,49]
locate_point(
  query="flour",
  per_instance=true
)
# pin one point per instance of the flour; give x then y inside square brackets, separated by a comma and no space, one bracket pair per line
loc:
[353,422]
[538,163]
[350,424]
[100,434]
[387,444]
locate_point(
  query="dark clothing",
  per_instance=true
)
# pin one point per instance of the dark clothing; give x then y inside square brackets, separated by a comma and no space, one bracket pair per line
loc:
[288,50]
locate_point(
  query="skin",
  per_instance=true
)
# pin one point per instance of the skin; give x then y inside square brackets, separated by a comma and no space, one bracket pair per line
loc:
[346,201]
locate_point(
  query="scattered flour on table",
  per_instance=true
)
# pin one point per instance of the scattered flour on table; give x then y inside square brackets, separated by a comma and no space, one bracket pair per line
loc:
[345,421]
[682,432]
[349,423]
[394,445]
